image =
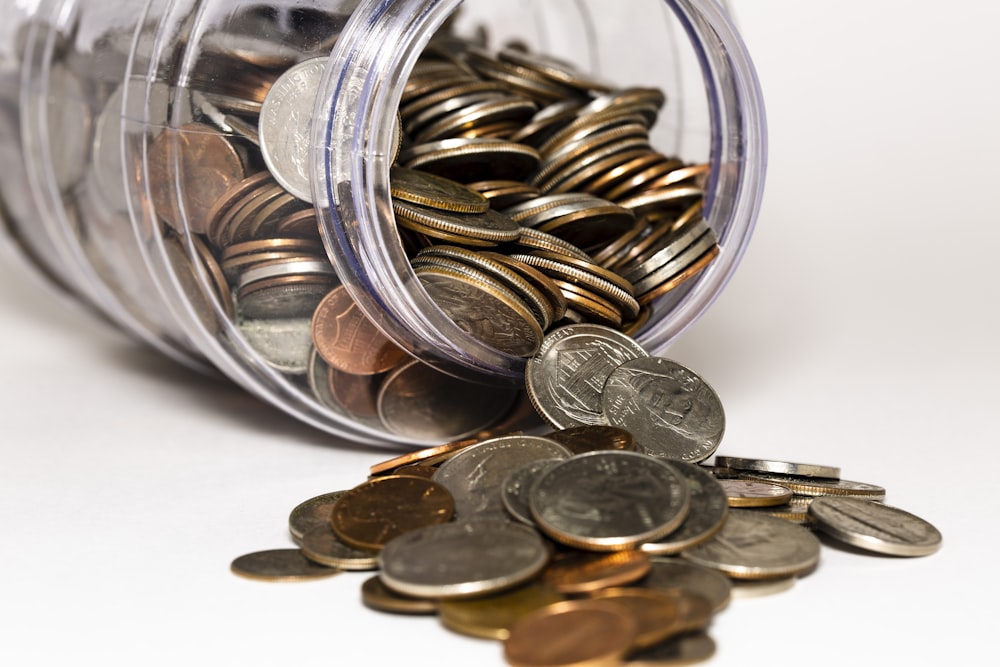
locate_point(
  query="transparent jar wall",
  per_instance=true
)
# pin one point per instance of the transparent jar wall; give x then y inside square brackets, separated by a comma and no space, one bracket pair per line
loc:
[151,269]
[687,47]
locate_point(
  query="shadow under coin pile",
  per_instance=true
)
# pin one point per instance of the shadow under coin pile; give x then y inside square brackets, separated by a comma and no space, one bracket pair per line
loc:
[610,531]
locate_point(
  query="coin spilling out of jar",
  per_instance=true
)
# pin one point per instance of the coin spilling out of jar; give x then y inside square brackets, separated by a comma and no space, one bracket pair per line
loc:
[527,195]
[615,538]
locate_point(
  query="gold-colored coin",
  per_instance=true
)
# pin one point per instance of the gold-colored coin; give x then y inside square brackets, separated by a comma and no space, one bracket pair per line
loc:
[655,611]
[812,486]
[491,617]
[310,513]
[321,545]
[753,493]
[581,439]
[490,225]
[591,633]
[374,512]
[425,189]
[575,571]
[435,454]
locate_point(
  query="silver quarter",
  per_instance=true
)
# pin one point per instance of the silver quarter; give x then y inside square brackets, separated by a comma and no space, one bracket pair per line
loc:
[609,501]
[758,546]
[285,344]
[311,513]
[708,512]
[778,467]
[675,573]
[566,377]
[516,490]
[672,412]
[468,558]
[813,486]
[875,527]
[475,476]
[284,126]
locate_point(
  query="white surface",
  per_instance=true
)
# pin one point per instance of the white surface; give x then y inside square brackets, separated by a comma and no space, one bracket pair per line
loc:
[860,331]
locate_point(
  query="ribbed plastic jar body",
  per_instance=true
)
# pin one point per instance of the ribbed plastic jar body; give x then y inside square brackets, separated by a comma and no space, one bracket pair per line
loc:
[100,104]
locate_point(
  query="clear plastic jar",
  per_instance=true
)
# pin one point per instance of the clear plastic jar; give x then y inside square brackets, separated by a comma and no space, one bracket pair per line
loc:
[105,109]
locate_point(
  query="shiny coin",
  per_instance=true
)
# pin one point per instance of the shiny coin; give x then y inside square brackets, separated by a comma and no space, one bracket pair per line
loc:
[757,546]
[462,559]
[685,649]
[470,160]
[372,513]
[565,378]
[348,340]
[491,617]
[427,454]
[423,404]
[672,412]
[655,611]
[573,572]
[311,513]
[589,632]
[285,123]
[778,467]
[425,189]
[709,509]
[677,574]
[609,501]
[752,493]
[875,527]
[490,225]
[594,438]
[355,395]
[476,475]
[321,545]
[516,489]
[375,595]
[279,565]
[814,486]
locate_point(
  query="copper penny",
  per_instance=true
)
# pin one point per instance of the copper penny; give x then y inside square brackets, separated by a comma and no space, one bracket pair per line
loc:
[357,395]
[584,571]
[374,512]
[349,341]
[657,613]
[435,454]
[571,633]
[592,438]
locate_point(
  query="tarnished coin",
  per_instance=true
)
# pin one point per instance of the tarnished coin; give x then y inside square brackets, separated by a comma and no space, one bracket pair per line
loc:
[348,340]
[685,649]
[356,395]
[376,511]
[655,611]
[678,574]
[460,559]
[573,572]
[754,493]
[758,546]
[426,189]
[814,486]
[475,476]
[311,513]
[594,438]
[566,377]
[423,404]
[778,467]
[589,632]
[279,565]
[875,527]
[609,501]
[284,125]
[709,509]
[321,545]
[376,595]
[672,412]
[284,344]
[516,488]
[491,617]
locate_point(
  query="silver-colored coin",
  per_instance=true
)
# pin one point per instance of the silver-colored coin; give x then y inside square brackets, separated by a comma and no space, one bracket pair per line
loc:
[778,467]
[685,649]
[279,565]
[285,344]
[321,545]
[462,559]
[310,513]
[672,412]
[475,476]
[284,125]
[814,486]
[609,501]
[758,546]
[425,405]
[566,377]
[709,509]
[282,300]
[283,268]
[875,527]
[675,573]
[745,589]
[755,493]
[516,489]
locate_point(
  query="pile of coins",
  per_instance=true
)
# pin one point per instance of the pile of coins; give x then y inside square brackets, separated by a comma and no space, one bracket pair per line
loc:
[599,533]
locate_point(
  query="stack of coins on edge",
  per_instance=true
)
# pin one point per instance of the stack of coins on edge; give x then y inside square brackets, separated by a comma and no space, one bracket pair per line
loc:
[609,531]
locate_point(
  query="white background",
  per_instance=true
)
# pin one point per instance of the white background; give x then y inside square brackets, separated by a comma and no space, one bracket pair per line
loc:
[860,331]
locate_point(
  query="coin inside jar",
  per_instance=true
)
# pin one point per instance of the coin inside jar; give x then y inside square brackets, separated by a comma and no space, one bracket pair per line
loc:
[348,340]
